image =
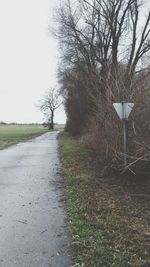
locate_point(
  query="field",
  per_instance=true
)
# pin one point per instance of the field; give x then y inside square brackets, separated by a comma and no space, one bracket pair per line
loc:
[12,134]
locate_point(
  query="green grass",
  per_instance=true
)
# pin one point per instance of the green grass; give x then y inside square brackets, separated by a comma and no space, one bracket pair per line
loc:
[12,134]
[100,236]
[69,146]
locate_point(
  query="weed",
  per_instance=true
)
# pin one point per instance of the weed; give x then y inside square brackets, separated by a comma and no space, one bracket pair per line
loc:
[104,221]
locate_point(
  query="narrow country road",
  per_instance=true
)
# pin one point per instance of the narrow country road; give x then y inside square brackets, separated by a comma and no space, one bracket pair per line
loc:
[33,225]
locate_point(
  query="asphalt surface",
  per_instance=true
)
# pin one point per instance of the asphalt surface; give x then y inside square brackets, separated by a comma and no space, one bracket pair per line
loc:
[33,225]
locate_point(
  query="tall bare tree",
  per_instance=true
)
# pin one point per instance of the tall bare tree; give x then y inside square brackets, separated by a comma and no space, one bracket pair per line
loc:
[104,46]
[50,102]
[103,37]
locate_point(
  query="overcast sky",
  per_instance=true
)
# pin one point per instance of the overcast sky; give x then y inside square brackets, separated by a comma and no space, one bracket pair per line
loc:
[28,59]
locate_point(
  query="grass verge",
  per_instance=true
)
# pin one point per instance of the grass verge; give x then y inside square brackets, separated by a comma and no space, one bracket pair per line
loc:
[108,217]
[12,134]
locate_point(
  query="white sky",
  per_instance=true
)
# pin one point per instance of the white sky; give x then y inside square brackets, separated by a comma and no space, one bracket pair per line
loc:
[28,59]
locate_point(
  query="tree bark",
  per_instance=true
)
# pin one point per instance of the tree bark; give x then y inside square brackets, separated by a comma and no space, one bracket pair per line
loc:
[52,120]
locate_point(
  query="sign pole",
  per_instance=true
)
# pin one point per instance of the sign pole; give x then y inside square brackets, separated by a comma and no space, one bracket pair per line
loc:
[124,132]
[125,141]
[123,110]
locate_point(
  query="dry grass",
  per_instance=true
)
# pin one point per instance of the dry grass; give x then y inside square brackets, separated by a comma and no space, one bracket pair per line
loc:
[109,215]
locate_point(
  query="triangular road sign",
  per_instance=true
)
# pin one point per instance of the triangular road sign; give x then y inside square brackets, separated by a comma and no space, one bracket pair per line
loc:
[123,109]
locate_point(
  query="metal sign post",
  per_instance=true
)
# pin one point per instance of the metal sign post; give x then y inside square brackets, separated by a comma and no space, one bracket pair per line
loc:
[123,110]
[124,121]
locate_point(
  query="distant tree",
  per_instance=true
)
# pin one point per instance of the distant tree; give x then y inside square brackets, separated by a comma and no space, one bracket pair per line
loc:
[50,102]
[2,123]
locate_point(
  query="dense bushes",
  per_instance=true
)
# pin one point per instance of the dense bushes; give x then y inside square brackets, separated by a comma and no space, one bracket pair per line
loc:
[103,47]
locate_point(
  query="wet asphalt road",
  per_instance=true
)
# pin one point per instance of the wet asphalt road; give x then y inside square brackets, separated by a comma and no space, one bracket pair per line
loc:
[33,225]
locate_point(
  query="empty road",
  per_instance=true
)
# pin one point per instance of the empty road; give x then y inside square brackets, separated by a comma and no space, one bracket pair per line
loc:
[33,225]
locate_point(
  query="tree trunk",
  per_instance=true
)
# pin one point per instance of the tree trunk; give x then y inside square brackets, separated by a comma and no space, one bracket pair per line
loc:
[52,120]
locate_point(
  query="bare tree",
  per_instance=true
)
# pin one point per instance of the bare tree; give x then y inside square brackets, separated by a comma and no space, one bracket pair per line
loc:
[50,102]
[103,44]
[103,32]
